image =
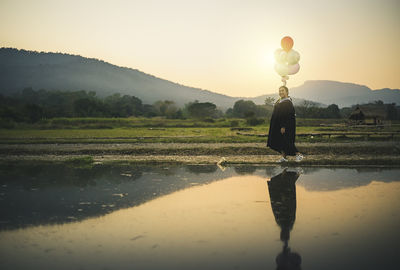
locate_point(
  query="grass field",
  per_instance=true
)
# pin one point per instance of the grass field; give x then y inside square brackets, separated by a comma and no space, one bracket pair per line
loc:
[158,140]
[147,130]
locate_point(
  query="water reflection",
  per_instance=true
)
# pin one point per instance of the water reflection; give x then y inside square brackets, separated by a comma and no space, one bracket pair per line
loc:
[40,194]
[194,217]
[282,193]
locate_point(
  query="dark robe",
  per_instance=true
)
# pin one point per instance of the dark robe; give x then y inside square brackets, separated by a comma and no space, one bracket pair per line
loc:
[283,115]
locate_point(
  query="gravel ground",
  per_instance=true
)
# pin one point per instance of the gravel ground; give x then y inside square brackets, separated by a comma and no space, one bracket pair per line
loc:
[197,149]
[381,160]
[346,153]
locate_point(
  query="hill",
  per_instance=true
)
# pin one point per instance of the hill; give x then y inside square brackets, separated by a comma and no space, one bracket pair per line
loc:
[343,94]
[20,69]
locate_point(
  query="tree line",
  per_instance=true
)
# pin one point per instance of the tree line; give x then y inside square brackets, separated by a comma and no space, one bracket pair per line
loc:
[31,106]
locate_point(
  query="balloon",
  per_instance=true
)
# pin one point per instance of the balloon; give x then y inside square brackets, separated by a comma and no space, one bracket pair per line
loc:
[292,57]
[293,69]
[287,43]
[280,56]
[282,69]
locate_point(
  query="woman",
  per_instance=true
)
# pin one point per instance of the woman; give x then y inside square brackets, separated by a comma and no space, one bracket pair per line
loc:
[282,129]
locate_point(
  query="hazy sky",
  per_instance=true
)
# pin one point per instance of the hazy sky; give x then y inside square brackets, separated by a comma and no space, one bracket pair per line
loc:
[219,45]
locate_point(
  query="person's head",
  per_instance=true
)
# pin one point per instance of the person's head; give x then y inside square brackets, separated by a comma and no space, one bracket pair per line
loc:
[283,91]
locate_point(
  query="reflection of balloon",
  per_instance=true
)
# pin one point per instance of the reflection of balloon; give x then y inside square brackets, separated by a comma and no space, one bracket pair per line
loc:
[280,56]
[287,43]
[293,69]
[293,57]
[282,69]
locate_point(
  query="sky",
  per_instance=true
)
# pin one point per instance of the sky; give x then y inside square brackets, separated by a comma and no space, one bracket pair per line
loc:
[223,46]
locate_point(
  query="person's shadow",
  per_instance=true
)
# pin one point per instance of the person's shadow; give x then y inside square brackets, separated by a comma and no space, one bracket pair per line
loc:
[282,193]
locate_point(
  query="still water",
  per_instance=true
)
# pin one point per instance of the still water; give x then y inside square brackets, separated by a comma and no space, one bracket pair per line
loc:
[198,217]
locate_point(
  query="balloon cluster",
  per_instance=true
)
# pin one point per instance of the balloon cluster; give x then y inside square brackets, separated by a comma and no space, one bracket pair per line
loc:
[287,59]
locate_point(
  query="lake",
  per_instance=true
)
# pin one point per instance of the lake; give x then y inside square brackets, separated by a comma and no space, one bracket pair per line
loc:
[56,216]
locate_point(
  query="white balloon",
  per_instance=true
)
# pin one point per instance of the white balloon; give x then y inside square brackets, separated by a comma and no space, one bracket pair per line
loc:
[277,53]
[293,69]
[280,56]
[282,69]
[293,57]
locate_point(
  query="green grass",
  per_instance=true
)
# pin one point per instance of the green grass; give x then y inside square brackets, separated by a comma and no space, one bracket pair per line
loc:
[109,123]
[120,130]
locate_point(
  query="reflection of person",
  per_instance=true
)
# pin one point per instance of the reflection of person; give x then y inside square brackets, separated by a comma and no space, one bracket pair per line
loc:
[282,129]
[282,193]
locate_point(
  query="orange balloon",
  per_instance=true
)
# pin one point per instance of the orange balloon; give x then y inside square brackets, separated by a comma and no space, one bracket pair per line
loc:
[287,43]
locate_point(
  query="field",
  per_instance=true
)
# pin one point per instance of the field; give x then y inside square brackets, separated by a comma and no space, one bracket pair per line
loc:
[323,141]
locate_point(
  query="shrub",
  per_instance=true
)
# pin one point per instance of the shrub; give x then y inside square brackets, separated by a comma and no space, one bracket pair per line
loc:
[7,123]
[253,121]
[208,120]
[234,123]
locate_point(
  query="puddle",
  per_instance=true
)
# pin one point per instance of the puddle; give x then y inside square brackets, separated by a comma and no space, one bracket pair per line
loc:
[198,217]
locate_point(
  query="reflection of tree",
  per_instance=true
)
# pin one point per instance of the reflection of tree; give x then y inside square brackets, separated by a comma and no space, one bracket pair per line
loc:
[369,169]
[42,175]
[244,169]
[282,192]
[202,168]
[39,193]
[163,170]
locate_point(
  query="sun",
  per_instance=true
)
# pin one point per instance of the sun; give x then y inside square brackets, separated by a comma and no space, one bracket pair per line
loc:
[267,59]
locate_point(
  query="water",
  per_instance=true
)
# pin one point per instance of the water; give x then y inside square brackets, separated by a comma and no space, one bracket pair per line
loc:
[198,217]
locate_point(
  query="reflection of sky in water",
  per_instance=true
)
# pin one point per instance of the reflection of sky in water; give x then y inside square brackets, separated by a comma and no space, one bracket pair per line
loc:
[196,218]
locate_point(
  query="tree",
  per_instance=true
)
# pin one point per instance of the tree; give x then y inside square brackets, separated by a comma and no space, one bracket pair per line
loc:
[391,111]
[86,107]
[244,108]
[333,111]
[229,112]
[202,109]
[124,106]
[34,112]
[269,101]
[165,108]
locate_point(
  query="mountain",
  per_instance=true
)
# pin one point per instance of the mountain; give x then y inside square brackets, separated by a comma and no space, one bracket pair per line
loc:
[58,71]
[325,92]
[296,101]
[343,94]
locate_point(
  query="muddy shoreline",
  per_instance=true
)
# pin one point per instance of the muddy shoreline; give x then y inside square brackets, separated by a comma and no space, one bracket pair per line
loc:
[195,149]
[349,153]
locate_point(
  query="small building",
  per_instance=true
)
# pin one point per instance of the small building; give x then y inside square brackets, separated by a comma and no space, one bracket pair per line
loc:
[368,115]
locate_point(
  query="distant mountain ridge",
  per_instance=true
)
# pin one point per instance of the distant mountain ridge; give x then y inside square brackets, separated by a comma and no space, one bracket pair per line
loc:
[57,71]
[344,94]
[339,93]
[20,69]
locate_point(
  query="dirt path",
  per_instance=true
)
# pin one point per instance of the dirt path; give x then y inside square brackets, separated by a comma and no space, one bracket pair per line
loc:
[381,160]
[346,153]
[196,149]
